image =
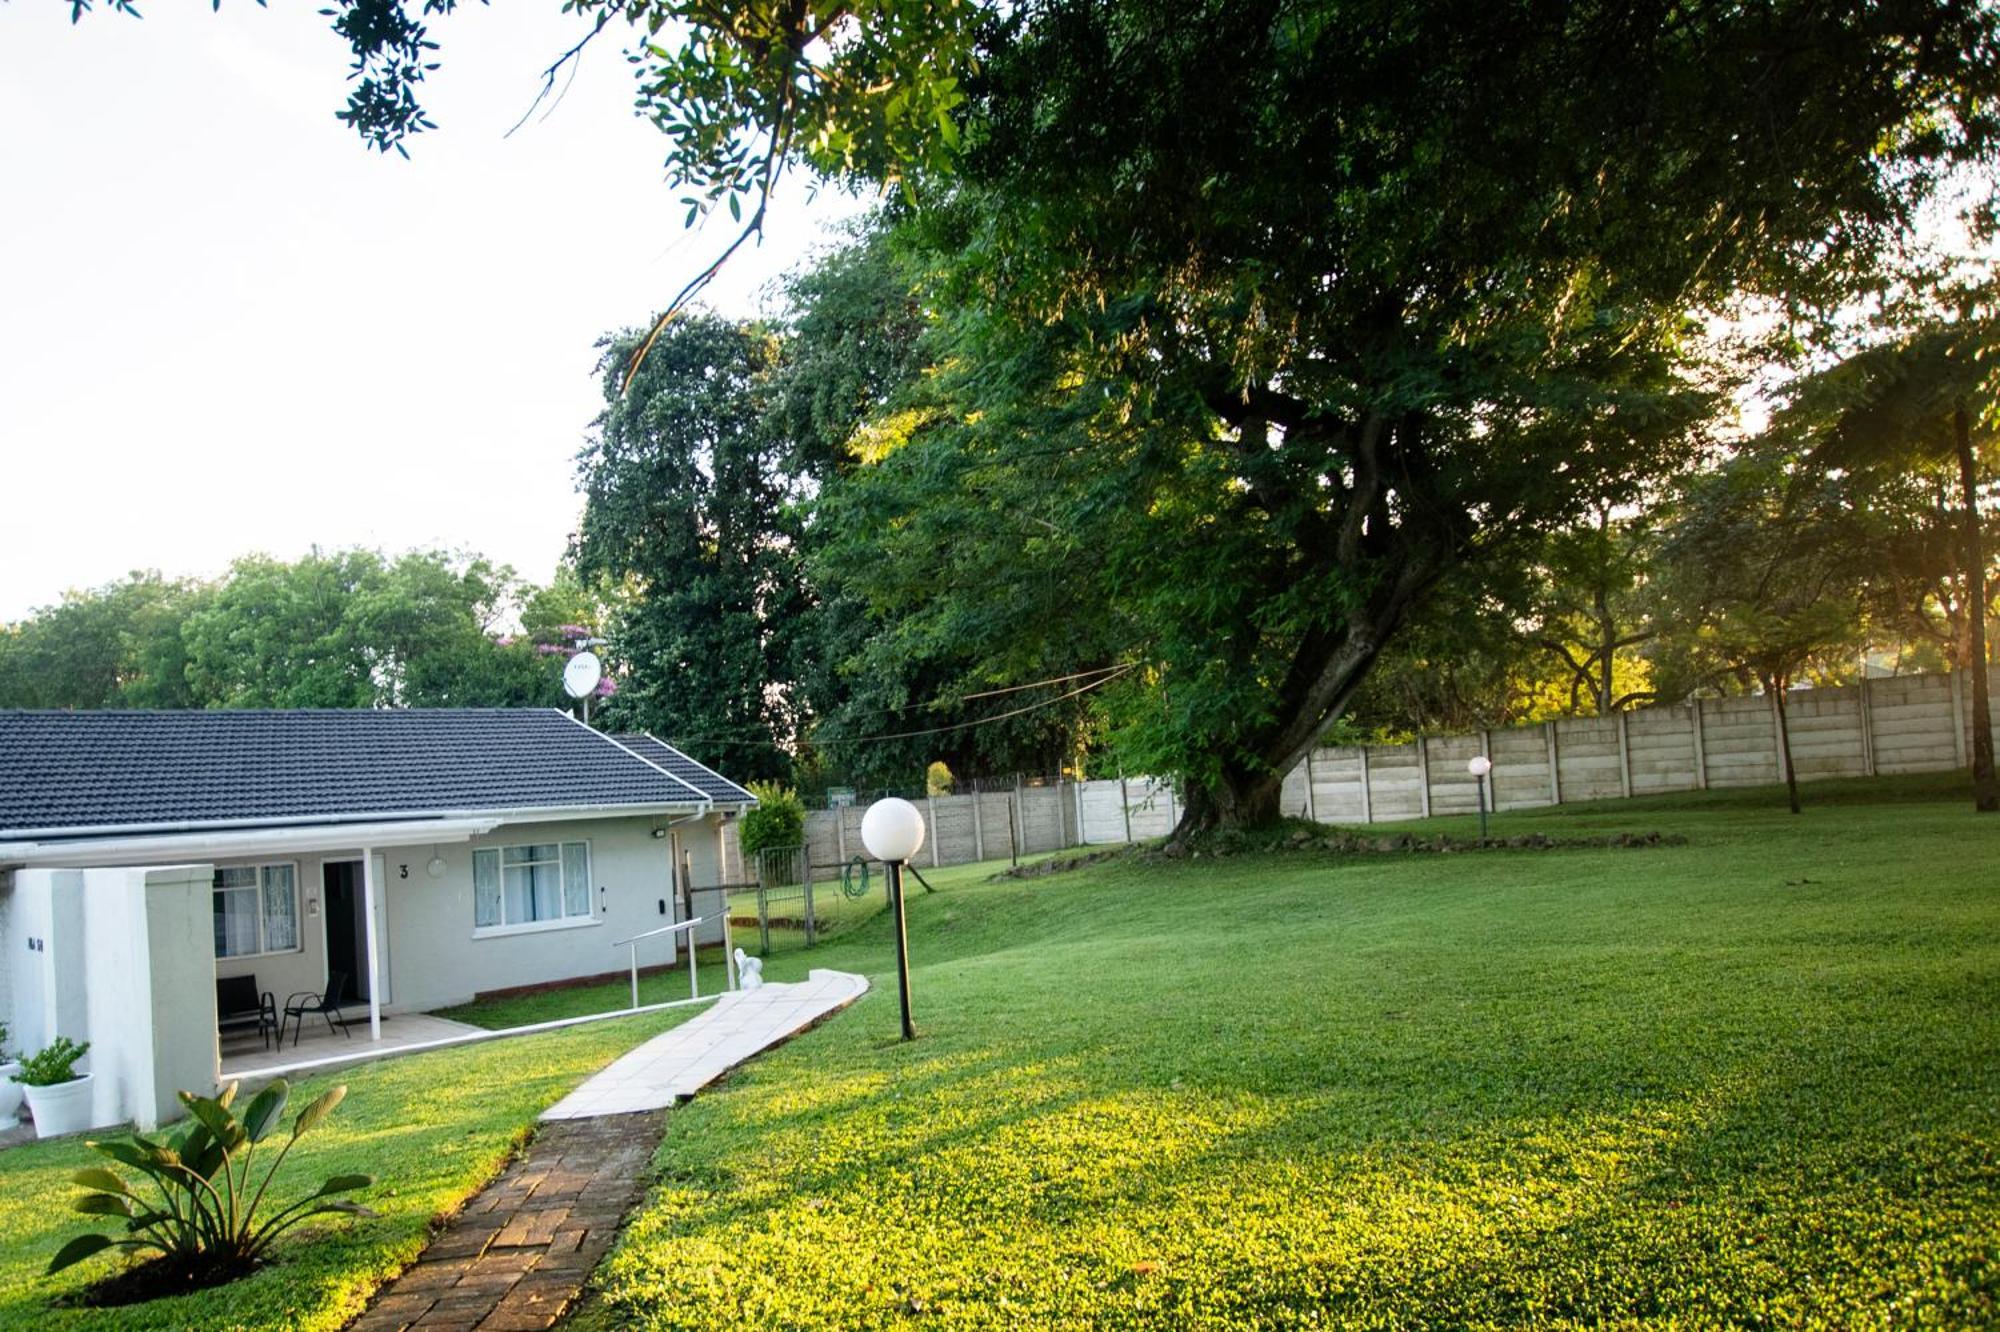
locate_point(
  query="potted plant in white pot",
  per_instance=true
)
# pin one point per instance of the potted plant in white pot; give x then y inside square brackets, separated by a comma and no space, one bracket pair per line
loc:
[11,1091]
[58,1095]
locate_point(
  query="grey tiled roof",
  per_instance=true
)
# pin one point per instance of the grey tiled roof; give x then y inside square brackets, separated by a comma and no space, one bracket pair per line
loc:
[63,772]
[712,784]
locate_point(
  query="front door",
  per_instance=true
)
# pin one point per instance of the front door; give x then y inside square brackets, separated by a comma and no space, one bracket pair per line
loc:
[346,929]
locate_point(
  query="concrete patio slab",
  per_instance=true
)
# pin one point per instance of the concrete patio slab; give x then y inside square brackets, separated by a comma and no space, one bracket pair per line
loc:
[676,1064]
[321,1050]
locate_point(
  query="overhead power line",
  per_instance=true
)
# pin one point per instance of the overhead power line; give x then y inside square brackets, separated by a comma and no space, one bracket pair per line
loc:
[1105,676]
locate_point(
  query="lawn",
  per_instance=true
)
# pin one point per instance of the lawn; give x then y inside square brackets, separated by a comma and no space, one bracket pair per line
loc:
[1753,1079]
[432,1128]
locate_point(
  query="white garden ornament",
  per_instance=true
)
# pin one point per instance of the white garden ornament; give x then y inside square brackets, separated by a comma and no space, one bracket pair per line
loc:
[749,971]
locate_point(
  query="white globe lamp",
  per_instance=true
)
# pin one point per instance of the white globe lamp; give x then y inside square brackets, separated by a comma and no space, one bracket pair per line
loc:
[1480,767]
[892,830]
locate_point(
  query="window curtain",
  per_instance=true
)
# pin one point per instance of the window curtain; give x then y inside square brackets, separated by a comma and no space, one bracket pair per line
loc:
[485,888]
[576,879]
[281,909]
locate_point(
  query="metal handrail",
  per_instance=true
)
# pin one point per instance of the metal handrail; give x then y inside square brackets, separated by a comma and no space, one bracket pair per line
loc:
[664,929]
[694,982]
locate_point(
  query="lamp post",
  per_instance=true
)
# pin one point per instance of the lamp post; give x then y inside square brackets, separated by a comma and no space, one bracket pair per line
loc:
[1479,767]
[893,831]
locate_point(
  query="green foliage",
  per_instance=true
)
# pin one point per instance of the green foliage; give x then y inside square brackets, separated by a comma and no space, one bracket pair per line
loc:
[1887,417]
[938,780]
[779,820]
[1762,565]
[687,504]
[1245,350]
[1510,1089]
[117,645]
[207,1220]
[53,1064]
[351,628]
[3,1042]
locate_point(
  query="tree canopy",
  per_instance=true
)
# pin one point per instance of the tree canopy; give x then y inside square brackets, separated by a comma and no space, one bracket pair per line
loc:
[350,629]
[1235,335]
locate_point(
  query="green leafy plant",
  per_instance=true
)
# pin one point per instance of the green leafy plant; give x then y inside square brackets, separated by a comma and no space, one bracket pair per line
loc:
[778,820]
[205,1225]
[3,1042]
[52,1065]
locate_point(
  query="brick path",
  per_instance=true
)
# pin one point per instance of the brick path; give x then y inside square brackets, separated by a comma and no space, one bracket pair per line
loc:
[519,1253]
[516,1257]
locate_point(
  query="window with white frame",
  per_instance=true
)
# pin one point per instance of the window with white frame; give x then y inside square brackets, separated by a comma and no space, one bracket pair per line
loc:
[530,885]
[256,910]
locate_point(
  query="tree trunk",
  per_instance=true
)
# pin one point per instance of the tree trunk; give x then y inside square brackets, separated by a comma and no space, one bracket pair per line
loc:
[1985,789]
[1245,792]
[1237,799]
[1776,684]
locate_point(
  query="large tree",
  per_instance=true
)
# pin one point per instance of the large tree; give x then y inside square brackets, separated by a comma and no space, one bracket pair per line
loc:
[1346,297]
[1336,296]
[690,508]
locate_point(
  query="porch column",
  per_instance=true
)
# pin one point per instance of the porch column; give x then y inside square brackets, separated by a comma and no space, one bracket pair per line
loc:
[369,912]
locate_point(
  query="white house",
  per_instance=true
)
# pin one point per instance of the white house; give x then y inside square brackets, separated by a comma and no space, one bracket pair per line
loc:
[414,859]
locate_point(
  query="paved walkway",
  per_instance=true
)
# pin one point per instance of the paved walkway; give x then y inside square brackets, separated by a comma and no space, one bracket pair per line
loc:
[676,1064]
[517,1255]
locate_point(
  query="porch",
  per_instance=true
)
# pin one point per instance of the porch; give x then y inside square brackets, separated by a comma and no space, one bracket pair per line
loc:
[244,1054]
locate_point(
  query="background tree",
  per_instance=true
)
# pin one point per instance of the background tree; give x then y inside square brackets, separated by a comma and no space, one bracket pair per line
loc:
[1928,402]
[1590,608]
[1765,560]
[346,629]
[114,646]
[688,509]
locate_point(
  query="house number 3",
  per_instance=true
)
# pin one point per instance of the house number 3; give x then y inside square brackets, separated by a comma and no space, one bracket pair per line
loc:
[402,871]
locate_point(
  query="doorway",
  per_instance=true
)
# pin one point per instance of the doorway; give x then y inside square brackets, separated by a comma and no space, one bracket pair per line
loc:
[346,928]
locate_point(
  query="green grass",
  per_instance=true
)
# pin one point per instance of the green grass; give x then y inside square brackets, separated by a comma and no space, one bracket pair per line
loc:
[1750,1080]
[432,1128]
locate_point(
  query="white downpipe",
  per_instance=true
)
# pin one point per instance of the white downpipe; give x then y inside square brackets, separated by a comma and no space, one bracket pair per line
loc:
[370,910]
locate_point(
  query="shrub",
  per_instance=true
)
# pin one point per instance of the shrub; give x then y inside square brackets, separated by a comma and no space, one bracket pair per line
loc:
[53,1064]
[938,780]
[205,1226]
[778,820]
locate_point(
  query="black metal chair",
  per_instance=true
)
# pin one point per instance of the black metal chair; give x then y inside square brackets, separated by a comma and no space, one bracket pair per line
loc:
[239,1003]
[327,1005]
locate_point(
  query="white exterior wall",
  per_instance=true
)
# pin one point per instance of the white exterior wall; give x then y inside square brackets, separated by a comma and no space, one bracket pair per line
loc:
[119,958]
[432,956]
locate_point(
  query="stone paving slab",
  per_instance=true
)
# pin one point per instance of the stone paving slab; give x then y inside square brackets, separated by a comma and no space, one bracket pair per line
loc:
[678,1063]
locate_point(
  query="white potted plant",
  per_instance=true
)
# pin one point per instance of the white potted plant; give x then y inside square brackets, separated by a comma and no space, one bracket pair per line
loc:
[11,1090]
[58,1095]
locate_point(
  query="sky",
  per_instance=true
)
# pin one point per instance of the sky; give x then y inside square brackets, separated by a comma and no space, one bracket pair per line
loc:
[227,326]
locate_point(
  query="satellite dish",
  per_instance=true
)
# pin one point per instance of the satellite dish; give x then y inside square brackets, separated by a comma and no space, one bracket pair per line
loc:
[582,674]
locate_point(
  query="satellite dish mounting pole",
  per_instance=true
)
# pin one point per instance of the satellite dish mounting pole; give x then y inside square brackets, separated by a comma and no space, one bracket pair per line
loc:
[580,678]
